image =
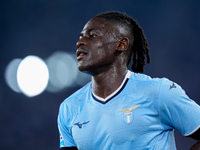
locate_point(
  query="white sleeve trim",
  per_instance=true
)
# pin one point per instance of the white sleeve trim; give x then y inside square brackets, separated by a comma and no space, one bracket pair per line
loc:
[193,131]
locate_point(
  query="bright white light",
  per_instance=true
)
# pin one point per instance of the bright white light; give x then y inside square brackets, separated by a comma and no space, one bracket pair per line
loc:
[32,76]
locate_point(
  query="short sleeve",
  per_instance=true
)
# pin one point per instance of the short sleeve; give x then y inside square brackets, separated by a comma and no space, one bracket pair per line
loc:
[177,110]
[66,139]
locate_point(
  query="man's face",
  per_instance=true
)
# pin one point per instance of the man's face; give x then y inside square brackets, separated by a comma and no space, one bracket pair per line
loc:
[96,46]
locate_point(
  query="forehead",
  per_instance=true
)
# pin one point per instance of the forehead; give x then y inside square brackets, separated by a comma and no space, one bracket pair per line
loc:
[106,26]
[98,24]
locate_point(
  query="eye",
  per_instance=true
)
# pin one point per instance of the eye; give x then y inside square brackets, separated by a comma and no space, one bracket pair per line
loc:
[80,36]
[93,35]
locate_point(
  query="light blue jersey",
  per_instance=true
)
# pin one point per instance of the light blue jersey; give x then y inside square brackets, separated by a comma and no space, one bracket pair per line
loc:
[141,115]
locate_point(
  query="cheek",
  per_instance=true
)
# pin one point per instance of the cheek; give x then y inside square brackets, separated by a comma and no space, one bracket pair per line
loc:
[102,49]
[98,50]
[105,47]
[101,53]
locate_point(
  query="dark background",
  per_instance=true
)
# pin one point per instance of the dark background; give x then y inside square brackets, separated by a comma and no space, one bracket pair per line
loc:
[41,27]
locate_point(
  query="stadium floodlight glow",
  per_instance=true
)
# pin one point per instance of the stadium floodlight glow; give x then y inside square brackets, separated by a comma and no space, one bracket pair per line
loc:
[10,75]
[63,71]
[32,76]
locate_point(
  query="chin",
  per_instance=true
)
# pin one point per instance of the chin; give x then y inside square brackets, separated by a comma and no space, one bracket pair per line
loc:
[84,69]
[81,68]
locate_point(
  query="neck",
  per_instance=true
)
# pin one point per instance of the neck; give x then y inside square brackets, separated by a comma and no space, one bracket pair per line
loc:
[105,83]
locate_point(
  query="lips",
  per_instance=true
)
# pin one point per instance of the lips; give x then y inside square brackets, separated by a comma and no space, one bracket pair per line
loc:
[80,53]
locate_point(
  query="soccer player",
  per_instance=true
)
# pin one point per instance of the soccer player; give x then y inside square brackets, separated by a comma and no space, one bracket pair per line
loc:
[122,109]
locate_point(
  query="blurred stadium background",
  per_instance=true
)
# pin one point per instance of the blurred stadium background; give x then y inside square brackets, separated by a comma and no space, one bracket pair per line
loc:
[47,30]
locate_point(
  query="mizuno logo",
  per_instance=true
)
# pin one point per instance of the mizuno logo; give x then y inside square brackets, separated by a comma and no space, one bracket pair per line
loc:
[172,86]
[81,124]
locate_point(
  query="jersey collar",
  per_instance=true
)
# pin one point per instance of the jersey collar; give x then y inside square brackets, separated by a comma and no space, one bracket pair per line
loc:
[116,92]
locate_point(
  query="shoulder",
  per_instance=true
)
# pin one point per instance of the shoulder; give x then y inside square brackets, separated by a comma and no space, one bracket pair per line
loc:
[139,77]
[147,81]
[155,86]
[171,89]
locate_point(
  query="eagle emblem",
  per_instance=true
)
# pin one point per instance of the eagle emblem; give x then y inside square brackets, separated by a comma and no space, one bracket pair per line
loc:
[128,114]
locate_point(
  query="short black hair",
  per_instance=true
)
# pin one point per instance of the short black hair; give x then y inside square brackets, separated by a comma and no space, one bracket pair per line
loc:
[139,51]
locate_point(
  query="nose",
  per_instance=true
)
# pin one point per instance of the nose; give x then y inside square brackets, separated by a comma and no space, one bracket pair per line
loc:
[80,43]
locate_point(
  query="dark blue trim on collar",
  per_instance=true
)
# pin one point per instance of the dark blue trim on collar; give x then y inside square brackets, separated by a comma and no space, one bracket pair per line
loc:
[104,102]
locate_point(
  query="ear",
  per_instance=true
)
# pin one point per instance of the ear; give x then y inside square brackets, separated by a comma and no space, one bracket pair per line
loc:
[123,44]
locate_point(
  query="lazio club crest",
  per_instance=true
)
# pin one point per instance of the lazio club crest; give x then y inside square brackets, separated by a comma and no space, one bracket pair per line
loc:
[128,115]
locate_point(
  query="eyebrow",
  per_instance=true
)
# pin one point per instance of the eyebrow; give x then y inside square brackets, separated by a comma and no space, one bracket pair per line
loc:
[89,30]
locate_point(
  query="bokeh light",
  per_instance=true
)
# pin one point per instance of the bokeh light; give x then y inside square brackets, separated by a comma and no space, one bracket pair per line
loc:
[32,76]
[82,78]
[11,74]
[63,71]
